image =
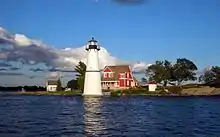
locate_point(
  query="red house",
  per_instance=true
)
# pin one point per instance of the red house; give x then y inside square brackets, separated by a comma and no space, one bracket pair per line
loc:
[118,77]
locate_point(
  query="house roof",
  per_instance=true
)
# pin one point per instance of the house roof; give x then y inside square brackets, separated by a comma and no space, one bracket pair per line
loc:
[52,82]
[119,68]
[152,82]
[135,79]
[116,70]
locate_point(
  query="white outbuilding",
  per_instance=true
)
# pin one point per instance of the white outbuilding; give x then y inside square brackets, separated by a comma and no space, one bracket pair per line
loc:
[152,86]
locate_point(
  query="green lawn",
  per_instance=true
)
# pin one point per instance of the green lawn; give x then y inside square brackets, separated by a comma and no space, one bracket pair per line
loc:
[131,92]
[51,93]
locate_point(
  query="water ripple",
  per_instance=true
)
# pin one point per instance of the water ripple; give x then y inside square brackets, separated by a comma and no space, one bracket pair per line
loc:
[64,116]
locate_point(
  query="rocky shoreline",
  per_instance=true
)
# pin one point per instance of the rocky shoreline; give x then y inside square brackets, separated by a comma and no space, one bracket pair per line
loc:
[205,91]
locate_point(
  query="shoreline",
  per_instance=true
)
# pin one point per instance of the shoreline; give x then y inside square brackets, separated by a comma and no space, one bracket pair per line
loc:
[46,93]
[192,91]
[63,93]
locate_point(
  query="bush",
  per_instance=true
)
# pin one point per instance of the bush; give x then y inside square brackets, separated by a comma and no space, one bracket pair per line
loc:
[163,92]
[160,88]
[133,91]
[137,91]
[191,86]
[215,84]
[117,93]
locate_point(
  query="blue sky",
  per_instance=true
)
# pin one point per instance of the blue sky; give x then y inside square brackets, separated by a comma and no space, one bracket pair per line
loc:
[155,30]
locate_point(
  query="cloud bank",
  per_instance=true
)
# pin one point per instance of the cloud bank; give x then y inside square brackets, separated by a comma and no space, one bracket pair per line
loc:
[20,48]
[2,64]
[11,74]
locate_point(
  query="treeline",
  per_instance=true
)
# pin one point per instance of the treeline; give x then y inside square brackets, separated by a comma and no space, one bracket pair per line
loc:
[182,70]
[26,88]
[211,77]
[174,73]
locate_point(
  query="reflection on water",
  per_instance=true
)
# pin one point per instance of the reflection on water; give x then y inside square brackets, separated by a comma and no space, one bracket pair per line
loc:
[93,118]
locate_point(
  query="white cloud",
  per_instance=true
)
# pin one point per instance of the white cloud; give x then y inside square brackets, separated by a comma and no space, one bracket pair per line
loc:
[52,75]
[31,51]
[140,67]
[5,36]
[22,40]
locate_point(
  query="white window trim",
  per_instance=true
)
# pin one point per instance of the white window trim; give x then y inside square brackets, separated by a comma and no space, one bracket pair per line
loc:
[105,74]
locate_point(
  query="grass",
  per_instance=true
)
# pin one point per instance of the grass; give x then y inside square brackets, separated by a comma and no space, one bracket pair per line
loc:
[51,93]
[160,91]
[138,91]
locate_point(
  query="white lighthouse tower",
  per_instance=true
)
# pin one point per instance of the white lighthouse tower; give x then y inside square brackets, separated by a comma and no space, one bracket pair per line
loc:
[92,83]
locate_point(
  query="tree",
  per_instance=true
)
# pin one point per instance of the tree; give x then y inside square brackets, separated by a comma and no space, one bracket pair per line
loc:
[143,80]
[73,84]
[59,85]
[81,70]
[184,70]
[168,72]
[211,77]
[165,72]
[160,72]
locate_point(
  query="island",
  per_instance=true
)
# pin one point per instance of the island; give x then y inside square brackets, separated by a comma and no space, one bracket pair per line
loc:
[179,78]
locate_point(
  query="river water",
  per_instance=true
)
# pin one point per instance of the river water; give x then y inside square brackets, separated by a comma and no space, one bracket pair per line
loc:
[75,116]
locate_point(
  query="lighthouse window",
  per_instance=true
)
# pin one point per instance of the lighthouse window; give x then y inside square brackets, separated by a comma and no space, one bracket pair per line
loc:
[105,75]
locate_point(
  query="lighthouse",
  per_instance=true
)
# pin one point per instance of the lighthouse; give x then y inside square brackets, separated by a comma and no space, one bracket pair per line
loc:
[92,83]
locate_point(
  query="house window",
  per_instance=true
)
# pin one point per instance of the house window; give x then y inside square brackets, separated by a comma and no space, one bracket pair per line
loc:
[108,75]
[111,75]
[127,83]
[127,75]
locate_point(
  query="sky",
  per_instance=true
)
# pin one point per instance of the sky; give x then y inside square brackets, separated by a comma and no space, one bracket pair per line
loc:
[39,37]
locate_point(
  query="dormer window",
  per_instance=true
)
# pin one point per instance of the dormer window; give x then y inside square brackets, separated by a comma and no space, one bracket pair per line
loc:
[108,74]
[111,75]
[105,75]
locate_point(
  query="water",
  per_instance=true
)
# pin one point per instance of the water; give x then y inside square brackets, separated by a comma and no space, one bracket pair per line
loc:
[68,116]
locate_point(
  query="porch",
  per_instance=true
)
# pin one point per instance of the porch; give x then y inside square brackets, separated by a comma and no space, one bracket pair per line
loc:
[108,85]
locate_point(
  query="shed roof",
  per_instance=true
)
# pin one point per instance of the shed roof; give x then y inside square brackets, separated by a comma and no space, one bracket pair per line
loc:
[52,82]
